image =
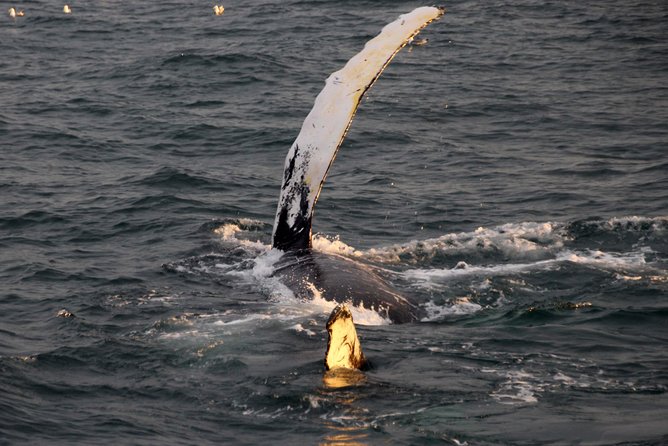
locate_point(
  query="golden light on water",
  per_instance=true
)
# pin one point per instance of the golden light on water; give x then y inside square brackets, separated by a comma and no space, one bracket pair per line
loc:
[340,377]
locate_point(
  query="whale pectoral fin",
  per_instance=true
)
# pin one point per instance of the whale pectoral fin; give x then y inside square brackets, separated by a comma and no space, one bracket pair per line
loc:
[325,127]
[343,346]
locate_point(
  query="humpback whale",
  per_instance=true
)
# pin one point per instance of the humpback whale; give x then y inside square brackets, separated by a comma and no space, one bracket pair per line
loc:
[333,277]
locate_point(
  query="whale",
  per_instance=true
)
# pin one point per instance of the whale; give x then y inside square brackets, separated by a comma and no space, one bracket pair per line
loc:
[310,273]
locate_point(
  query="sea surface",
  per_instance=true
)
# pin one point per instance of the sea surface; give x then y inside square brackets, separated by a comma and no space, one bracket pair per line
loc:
[511,175]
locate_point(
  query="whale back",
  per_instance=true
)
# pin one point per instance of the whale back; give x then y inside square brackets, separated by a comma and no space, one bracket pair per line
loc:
[336,278]
[325,127]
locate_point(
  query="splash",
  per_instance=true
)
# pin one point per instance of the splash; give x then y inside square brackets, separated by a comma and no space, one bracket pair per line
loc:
[512,240]
[459,307]
[429,278]
[361,314]
[506,251]
[525,240]
[334,245]
[629,261]
[519,387]
[425,277]
[229,232]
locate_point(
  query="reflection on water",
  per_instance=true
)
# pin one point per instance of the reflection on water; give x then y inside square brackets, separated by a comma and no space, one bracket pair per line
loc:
[339,378]
[341,435]
[349,426]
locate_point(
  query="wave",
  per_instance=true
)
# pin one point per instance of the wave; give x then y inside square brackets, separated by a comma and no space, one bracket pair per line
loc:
[617,225]
[633,261]
[31,219]
[168,177]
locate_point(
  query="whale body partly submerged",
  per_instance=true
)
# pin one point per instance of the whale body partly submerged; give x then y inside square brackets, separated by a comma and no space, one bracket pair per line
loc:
[332,277]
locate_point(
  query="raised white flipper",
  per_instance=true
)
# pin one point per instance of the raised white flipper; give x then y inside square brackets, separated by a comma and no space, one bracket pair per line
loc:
[325,127]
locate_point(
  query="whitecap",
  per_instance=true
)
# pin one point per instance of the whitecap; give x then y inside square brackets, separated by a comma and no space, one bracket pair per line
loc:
[299,328]
[514,240]
[229,233]
[425,277]
[334,245]
[519,387]
[633,260]
[433,278]
[459,307]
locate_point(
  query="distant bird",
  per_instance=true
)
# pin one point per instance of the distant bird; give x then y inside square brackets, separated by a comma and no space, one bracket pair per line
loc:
[12,13]
[20,13]
[67,10]
[218,10]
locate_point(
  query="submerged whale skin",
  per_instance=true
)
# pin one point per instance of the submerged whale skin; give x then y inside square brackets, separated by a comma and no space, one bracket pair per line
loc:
[336,278]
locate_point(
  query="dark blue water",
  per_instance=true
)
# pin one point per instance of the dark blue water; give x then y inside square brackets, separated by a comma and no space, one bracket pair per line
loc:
[512,174]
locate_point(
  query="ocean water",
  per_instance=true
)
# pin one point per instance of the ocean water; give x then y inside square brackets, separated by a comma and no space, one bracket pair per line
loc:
[511,175]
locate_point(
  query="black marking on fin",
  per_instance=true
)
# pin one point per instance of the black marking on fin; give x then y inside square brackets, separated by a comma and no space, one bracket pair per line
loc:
[297,236]
[287,175]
